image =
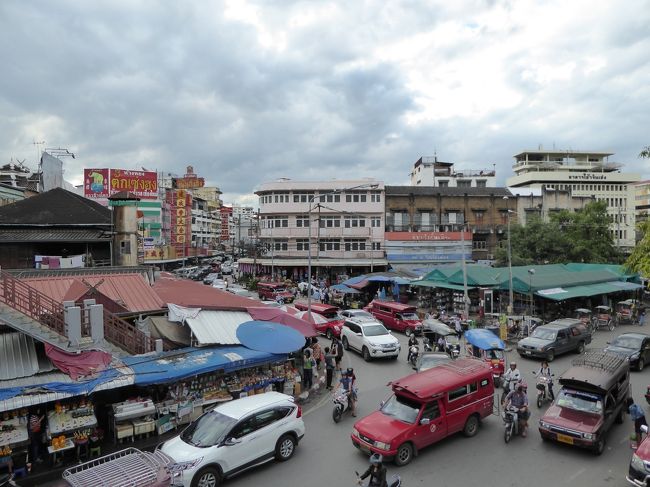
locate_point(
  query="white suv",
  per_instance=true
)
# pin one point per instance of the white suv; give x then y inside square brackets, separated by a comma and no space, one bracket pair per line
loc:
[236,436]
[371,338]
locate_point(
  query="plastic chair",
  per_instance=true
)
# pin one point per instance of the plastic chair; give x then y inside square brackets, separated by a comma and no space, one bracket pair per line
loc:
[95,451]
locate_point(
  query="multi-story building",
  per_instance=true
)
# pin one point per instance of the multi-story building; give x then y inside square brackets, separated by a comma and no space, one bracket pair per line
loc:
[226,214]
[584,174]
[424,224]
[642,200]
[243,224]
[429,171]
[543,202]
[345,219]
[206,225]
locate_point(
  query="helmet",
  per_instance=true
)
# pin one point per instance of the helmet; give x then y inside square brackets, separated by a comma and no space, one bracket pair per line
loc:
[376,459]
[350,371]
[522,385]
[513,363]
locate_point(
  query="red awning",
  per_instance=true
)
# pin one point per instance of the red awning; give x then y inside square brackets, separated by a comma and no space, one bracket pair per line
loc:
[269,313]
[78,364]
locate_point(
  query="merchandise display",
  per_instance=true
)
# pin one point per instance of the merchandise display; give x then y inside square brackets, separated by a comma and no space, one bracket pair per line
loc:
[132,418]
[13,432]
[66,418]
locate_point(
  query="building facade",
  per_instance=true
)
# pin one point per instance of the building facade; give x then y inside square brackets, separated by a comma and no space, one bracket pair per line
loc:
[243,225]
[543,202]
[345,218]
[641,200]
[424,224]
[429,171]
[583,174]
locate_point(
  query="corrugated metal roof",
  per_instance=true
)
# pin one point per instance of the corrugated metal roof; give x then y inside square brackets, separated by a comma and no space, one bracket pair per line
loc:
[192,294]
[217,327]
[130,290]
[18,356]
[53,235]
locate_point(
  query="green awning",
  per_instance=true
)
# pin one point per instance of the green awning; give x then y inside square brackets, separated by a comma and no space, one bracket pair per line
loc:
[562,294]
[444,285]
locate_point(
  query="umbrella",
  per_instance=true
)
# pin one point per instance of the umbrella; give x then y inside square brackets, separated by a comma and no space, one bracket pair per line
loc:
[313,318]
[266,336]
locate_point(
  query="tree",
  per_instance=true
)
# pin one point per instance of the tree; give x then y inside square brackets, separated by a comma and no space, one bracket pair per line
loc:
[639,259]
[645,153]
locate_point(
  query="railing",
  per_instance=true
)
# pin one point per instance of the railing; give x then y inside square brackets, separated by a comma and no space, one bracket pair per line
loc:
[127,337]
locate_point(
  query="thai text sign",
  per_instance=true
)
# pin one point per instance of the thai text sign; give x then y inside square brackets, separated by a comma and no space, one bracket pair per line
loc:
[96,183]
[102,183]
[188,183]
[180,203]
[426,236]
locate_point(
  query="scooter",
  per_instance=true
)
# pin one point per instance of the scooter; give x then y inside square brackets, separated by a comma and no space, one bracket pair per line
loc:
[508,387]
[394,481]
[514,425]
[543,389]
[341,404]
[427,345]
[414,352]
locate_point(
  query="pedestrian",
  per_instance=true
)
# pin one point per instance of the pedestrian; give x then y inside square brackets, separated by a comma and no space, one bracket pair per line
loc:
[330,361]
[339,353]
[638,416]
[308,368]
[317,351]
[442,344]
[326,297]
[458,326]
[35,432]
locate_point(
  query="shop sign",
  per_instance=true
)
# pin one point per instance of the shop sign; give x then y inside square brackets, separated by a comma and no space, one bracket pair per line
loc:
[180,202]
[188,183]
[96,183]
[102,183]
[426,236]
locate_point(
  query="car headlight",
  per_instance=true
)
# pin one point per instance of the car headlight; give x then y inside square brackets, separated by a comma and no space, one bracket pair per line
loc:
[382,446]
[544,425]
[635,356]
[637,463]
[355,432]
[588,436]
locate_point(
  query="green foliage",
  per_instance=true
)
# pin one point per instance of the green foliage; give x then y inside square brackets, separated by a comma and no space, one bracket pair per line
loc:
[639,259]
[568,237]
[645,153]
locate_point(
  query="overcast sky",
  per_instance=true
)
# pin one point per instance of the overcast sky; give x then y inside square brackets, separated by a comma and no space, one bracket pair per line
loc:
[248,91]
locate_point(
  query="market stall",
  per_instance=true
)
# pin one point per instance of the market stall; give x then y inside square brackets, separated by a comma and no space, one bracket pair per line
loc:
[132,418]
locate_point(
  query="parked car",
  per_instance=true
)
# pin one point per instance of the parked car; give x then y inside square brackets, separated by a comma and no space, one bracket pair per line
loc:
[428,360]
[370,338]
[633,346]
[396,316]
[211,277]
[332,327]
[220,284]
[236,435]
[239,291]
[639,471]
[592,398]
[427,407]
[226,268]
[274,291]
[356,313]
[560,336]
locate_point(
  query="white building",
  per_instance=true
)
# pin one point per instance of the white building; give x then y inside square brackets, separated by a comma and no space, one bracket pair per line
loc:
[242,224]
[347,226]
[584,174]
[429,171]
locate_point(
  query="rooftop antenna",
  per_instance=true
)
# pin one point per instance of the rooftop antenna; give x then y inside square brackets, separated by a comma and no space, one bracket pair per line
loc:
[38,149]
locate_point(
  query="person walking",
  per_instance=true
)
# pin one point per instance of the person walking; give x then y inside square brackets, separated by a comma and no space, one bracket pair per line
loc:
[638,416]
[318,353]
[35,432]
[308,369]
[339,353]
[330,363]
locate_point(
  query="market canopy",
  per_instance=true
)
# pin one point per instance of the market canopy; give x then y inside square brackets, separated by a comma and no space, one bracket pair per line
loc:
[564,293]
[180,364]
[266,336]
[440,284]
[342,288]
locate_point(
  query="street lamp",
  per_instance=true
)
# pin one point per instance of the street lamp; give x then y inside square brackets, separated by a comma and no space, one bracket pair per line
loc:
[311,207]
[531,273]
[510,306]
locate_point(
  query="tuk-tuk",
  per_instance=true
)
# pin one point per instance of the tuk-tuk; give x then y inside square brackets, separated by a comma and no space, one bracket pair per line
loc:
[627,312]
[521,326]
[486,346]
[585,316]
[604,318]
[433,330]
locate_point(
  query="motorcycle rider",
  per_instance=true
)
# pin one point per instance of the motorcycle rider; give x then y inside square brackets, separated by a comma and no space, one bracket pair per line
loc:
[376,472]
[347,383]
[518,399]
[413,341]
[545,371]
[510,378]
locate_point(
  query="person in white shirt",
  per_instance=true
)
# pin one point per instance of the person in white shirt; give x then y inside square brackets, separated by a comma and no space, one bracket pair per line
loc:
[510,379]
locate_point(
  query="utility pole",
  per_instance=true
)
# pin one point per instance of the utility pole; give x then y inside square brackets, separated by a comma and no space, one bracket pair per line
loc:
[462,250]
[256,243]
[510,295]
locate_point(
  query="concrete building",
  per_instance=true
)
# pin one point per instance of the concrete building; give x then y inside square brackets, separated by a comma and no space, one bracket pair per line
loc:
[583,174]
[641,200]
[243,224]
[347,226]
[423,224]
[543,202]
[429,171]
[206,224]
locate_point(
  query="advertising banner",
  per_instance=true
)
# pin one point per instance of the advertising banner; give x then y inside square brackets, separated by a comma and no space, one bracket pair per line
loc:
[143,184]
[96,183]
[180,203]
[188,183]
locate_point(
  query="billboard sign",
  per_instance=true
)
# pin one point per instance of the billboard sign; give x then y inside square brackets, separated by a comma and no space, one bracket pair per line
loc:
[96,183]
[180,205]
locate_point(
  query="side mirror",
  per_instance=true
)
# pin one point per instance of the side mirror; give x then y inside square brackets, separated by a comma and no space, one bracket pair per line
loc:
[231,441]
[390,332]
[381,404]
[424,421]
[359,334]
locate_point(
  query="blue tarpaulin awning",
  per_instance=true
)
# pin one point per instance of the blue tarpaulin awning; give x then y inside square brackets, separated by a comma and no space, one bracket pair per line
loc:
[342,288]
[188,362]
[269,337]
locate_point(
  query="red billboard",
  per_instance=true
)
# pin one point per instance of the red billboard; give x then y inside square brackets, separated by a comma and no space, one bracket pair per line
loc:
[426,236]
[102,183]
[96,183]
[180,206]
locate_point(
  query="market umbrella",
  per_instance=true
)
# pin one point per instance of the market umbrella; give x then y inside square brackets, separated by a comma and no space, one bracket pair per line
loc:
[313,318]
[267,336]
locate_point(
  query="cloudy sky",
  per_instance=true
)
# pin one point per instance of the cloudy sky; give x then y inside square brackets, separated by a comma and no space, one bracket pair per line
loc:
[251,90]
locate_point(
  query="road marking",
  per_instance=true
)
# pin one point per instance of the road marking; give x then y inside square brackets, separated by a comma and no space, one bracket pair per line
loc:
[575,475]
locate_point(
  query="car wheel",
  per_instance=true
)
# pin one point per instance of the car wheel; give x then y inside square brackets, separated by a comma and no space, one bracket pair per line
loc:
[619,417]
[208,477]
[408,332]
[346,345]
[471,426]
[365,354]
[640,364]
[550,355]
[580,348]
[404,455]
[285,448]
[611,326]
[600,447]
[329,334]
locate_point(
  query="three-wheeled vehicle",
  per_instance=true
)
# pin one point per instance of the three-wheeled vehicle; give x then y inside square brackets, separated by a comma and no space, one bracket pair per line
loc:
[586,318]
[604,318]
[434,330]
[486,346]
[627,312]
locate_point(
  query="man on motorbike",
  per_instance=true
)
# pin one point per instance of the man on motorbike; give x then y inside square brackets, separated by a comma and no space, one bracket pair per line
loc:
[510,378]
[545,371]
[518,399]
[347,382]
[376,472]
[413,341]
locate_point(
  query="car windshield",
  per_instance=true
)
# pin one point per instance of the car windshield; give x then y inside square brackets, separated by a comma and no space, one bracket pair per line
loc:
[544,334]
[374,330]
[208,430]
[580,401]
[361,314]
[428,361]
[401,409]
[452,339]
[279,289]
[623,341]
[409,316]
[494,354]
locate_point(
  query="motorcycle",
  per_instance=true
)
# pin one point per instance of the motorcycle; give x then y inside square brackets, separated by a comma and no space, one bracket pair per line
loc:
[394,481]
[543,389]
[7,481]
[514,425]
[414,352]
[509,385]
[427,345]
[341,404]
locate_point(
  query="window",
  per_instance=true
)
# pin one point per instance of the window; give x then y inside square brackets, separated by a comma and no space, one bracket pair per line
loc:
[280,221]
[302,221]
[561,335]
[354,222]
[301,197]
[478,216]
[481,183]
[265,418]
[443,184]
[329,244]
[355,197]
[331,198]
[375,221]
[473,387]
[354,244]
[464,184]
[376,245]
[457,393]
[280,245]
[329,222]
[276,198]
[479,244]
[302,244]
[375,197]
[431,411]
[244,428]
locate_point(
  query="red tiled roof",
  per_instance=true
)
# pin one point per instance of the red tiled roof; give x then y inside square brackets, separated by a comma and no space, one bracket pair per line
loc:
[192,294]
[130,290]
